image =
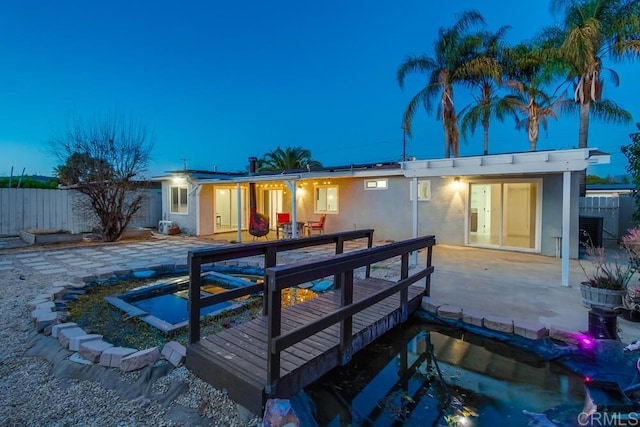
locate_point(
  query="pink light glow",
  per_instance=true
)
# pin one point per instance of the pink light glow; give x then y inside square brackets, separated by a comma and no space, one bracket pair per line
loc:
[586,342]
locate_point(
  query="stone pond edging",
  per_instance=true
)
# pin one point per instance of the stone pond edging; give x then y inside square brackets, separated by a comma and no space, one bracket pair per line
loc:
[91,348]
[49,316]
[526,329]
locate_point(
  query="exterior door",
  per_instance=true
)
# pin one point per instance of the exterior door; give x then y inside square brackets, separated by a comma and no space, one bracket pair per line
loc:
[226,208]
[272,204]
[504,214]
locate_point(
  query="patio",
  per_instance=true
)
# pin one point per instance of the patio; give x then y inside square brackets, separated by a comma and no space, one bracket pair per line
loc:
[515,285]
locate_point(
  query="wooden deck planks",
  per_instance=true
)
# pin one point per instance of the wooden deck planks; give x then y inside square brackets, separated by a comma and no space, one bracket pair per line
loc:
[236,358]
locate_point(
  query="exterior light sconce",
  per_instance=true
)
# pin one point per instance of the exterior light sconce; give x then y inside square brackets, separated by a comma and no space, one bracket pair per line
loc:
[456,183]
[179,179]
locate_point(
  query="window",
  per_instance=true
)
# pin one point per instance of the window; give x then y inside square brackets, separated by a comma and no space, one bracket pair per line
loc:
[376,184]
[179,199]
[326,199]
[424,190]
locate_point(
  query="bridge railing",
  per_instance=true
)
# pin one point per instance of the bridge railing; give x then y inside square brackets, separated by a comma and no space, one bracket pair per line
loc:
[342,267]
[269,250]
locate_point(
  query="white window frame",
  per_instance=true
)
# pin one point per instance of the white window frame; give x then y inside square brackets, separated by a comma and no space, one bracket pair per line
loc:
[424,186]
[315,199]
[179,188]
[376,184]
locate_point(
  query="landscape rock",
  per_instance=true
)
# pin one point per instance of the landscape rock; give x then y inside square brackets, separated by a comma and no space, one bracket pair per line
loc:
[76,342]
[431,305]
[174,352]
[44,319]
[498,323]
[65,335]
[531,330]
[55,330]
[279,413]
[562,335]
[140,359]
[112,357]
[92,350]
[473,317]
[447,311]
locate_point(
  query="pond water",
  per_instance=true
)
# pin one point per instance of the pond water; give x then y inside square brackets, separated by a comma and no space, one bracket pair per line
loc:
[471,381]
[164,304]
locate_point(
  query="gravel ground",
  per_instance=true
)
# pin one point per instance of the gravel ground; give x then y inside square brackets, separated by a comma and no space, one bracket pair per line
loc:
[39,386]
[33,392]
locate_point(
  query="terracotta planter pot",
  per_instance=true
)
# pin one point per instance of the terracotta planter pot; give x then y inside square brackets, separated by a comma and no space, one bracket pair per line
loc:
[604,298]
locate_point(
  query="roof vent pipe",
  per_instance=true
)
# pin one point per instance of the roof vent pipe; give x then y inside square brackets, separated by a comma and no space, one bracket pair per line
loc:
[252,164]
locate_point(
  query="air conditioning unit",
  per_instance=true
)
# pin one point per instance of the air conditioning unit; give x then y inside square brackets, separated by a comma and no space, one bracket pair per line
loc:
[163,226]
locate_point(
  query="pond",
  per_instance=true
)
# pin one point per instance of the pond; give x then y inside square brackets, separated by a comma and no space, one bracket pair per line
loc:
[471,381]
[164,304]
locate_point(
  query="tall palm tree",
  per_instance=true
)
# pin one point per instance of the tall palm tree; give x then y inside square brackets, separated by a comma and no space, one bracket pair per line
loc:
[528,75]
[483,73]
[453,48]
[291,158]
[592,31]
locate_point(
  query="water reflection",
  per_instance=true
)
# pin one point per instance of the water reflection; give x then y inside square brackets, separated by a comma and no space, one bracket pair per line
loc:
[470,381]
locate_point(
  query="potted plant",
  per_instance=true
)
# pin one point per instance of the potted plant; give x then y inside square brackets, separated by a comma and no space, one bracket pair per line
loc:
[607,280]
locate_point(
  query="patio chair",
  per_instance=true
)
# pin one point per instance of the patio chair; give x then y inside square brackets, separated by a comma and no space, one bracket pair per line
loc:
[318,226]
[258,225]
[282,218]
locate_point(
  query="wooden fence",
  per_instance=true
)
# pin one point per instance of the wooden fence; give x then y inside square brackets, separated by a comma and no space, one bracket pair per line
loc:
[40,209]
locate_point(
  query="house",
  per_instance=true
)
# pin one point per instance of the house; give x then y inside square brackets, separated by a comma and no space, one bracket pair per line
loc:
[610,190]
[520,201]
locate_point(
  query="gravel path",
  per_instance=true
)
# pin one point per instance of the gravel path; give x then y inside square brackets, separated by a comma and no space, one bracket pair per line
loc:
[35,391]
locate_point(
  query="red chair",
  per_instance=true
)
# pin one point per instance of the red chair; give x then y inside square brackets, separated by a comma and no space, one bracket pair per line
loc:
[281,220]
[318,226]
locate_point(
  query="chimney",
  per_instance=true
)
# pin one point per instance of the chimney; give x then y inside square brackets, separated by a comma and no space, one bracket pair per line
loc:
[252,164]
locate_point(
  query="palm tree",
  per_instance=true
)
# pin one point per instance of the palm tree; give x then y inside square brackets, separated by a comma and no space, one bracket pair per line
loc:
[291,158]
[593,30]
[453,48]
[528,74]
[483,72]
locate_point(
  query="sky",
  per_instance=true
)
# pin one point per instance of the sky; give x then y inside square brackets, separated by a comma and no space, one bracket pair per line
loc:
[217,82]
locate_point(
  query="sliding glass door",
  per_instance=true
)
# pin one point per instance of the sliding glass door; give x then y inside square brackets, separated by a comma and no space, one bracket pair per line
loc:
[226,208]
[504,214]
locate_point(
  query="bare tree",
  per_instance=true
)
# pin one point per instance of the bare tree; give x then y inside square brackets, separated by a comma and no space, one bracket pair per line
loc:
[105,159]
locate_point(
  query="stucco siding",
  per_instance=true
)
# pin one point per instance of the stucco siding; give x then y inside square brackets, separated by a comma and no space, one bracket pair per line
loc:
[186,222]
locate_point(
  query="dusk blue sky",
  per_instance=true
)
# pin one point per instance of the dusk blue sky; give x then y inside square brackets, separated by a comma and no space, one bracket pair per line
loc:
[217,82]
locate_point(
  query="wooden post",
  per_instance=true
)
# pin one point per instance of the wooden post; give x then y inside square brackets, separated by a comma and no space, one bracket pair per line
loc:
[270,260]
[369,246]
[194,299]
[337,278]
[346,325]
[427,284]
[404,293]
[274,329]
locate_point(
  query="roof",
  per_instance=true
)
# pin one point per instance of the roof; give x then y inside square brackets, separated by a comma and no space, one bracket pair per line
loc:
[611,187]
[552,161]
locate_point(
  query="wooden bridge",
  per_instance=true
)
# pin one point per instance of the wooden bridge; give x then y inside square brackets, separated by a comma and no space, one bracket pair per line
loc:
[281,352]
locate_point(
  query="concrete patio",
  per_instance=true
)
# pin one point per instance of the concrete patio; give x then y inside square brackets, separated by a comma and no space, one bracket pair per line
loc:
[514,285]
[519,286]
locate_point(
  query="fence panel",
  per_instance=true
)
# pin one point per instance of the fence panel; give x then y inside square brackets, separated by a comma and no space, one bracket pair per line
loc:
[39,209]
[606,207]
